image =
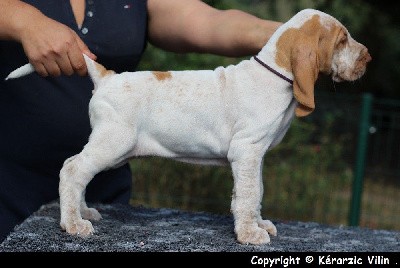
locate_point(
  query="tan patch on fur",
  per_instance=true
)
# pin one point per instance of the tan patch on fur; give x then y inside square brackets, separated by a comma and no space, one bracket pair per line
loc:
[161,76]
[322,37]
[327,45]
[103,71]
[361,63]
[305,52]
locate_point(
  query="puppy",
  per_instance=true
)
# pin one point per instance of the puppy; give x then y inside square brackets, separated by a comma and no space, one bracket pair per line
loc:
[230,115]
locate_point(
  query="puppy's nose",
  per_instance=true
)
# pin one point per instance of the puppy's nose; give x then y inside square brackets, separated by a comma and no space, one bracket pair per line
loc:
[365,56]
[368,57]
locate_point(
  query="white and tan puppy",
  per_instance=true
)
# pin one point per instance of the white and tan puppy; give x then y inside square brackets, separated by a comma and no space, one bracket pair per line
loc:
[230,115]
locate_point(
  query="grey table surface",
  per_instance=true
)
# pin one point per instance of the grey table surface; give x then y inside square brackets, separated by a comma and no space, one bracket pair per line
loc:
[127,228]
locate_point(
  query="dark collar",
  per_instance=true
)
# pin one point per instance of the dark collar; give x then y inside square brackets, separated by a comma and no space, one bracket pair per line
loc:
[273,70]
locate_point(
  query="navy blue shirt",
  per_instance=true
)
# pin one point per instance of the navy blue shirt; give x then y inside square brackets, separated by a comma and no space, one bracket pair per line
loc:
[45,120]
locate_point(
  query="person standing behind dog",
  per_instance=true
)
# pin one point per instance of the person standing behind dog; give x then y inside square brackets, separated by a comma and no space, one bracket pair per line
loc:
[44,116]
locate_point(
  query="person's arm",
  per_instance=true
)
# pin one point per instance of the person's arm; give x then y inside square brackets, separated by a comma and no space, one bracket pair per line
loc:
[51,47]
[193,26]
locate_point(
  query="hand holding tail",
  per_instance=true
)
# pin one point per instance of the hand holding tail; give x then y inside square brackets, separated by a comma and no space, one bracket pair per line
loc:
[96,71]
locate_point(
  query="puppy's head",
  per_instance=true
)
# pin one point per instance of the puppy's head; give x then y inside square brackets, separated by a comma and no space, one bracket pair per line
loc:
[312,43]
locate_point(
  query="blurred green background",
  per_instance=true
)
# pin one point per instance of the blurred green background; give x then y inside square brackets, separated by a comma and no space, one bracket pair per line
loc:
[309,176]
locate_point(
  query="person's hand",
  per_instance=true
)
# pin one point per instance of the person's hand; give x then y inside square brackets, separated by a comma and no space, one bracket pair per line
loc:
[53,48]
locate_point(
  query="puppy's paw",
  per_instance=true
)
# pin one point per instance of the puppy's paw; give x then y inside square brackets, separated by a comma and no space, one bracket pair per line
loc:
[90,214]
[253,235]
[268,226]
[82,228]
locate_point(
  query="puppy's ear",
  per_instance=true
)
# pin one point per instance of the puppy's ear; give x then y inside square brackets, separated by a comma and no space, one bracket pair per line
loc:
[304,61]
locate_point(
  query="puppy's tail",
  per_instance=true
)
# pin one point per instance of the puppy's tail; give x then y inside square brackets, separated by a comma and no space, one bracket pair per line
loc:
[21,71]
[96,71]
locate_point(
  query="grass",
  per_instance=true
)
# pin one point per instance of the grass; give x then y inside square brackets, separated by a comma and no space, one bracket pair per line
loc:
[323,198]
[380,204]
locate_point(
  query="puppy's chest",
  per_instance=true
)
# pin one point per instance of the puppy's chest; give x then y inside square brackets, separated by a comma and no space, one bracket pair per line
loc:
[284,124]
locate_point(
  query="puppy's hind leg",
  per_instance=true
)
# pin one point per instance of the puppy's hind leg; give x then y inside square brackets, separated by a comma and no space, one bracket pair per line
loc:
[88,213]
[108,145]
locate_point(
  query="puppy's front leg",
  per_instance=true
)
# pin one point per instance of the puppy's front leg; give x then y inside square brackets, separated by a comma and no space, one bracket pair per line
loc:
[265,224]
[246,201]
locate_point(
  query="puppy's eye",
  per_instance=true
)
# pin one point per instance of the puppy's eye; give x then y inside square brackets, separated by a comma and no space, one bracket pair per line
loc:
[343,40]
